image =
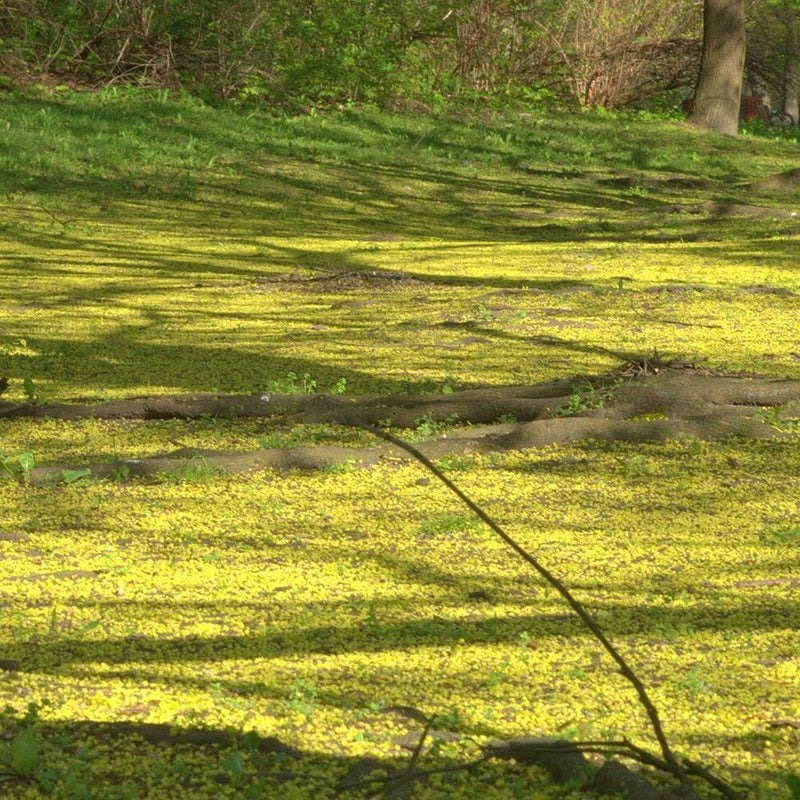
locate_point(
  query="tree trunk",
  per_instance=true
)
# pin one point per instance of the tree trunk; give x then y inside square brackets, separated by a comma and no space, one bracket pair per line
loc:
[791,74]
[719,85]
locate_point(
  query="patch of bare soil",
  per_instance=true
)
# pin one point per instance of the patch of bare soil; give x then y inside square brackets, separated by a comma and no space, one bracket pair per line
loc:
[780,180]
[342,280]
[643,402]
[715,209]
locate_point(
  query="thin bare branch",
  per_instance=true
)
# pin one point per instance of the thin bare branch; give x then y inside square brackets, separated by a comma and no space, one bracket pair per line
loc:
[675,766]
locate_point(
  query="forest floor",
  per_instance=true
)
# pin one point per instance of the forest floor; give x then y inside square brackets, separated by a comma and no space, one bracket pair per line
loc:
[215,586]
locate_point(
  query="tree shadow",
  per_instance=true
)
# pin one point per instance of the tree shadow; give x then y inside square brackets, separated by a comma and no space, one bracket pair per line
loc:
[278,206]
[125,759]
[399,622]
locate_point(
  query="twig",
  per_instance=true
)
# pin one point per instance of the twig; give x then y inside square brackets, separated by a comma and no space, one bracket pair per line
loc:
[723,788]
[669,763]
[63,222]
[674,766]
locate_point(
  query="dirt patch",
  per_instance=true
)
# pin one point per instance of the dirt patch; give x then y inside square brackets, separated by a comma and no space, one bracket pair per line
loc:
[780,180]
[338,281]
[716,209]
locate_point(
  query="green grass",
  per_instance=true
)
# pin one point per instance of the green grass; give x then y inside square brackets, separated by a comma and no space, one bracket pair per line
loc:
[143,237]
[158,245]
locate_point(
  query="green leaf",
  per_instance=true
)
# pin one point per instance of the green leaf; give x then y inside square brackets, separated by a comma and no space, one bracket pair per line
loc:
[89,626]
[25,753]
[72,475]
[26,462]
[234,766]
[793,782]
[29,388]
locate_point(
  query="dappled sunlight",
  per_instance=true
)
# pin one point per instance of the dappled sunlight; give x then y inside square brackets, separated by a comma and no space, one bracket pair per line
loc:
[156,248]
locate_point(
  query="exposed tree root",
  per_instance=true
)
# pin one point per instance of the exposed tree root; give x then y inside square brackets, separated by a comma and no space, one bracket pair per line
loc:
[737,209]
[674,393]
[652,407]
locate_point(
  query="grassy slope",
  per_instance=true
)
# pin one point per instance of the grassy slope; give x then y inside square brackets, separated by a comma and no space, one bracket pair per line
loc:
[138,233]
[139,240]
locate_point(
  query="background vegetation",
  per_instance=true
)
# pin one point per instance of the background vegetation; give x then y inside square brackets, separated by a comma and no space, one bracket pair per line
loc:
[400,54]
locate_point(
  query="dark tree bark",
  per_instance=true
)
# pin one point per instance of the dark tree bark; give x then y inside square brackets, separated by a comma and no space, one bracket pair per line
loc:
[791,75]
[719,85]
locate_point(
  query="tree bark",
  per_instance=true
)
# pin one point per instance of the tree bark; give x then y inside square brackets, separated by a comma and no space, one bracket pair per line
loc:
[719,85]
[791,75]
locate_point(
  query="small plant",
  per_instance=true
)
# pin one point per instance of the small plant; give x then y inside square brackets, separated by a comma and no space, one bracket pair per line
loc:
[693,683]
[18,467]
[292,384]
[120,474]
[343,467]
[23,754]
[29,389]
[583,398]
[455,463]
[75,475]
[506,419]
[302,697]
[214,421]
[22,631]
[19,758]
[587,397]
[498,675]
[483,314]
[340,387]
[693,446]
[377,706]
[449,523]
[233,767]
[635,466]
[793,782]
[777,417]
[197,470]
[426,425]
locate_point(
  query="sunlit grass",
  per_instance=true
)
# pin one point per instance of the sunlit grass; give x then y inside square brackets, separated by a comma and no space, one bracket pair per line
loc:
[157,246]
